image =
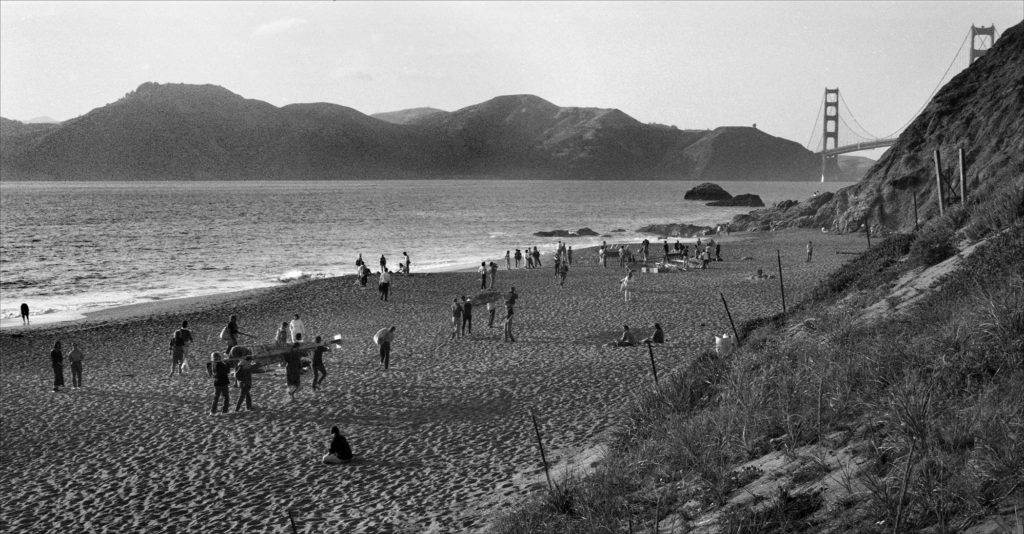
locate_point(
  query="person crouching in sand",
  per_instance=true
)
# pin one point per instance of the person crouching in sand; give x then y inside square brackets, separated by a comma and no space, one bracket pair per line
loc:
[383,339]
[220,383]
[339,452]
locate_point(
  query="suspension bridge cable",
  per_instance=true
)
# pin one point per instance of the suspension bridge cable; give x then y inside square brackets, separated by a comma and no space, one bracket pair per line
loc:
[935,90]
[855,121]
[814,129]
[855,132]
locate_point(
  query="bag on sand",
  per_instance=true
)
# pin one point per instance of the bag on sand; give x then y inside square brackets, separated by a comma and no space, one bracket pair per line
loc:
[331,459]
[724,344]
[224,335]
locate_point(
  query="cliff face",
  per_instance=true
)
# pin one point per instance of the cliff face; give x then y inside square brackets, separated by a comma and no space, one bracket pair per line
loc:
[981,110]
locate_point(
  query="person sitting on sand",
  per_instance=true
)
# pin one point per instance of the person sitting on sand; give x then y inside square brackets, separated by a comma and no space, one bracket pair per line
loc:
[220,383]
[657,337]
[243,375]
[627,339]
[456,317]
[281,338]
[339,452]
[293,368]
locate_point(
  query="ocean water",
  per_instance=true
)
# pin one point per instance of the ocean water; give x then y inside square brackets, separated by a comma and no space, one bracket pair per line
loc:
[71,247]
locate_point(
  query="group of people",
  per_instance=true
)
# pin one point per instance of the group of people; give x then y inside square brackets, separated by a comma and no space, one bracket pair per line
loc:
[75,356]
[531,257]
[628,337]
[384,277]
[462,314]
[488,272]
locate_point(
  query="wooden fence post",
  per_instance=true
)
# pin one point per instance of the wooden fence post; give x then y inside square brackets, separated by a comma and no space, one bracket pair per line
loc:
[540,444]
[654,367]
[963,182]
[914,196]
[782,288]
[734,332]
[938,180]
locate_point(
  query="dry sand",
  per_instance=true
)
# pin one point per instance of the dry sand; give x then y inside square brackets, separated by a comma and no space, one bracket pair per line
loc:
[443,439]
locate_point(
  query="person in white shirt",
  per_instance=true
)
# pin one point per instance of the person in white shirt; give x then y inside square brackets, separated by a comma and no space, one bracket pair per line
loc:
[296,327]
[384,284]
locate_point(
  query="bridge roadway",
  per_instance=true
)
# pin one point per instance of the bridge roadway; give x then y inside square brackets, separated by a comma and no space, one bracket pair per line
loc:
[857,147]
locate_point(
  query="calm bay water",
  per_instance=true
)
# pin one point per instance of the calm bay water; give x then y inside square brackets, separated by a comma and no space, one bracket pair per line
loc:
[72,247]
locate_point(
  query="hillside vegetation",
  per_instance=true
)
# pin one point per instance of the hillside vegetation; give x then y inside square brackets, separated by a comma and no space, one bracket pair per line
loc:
[181,132]
[892,400]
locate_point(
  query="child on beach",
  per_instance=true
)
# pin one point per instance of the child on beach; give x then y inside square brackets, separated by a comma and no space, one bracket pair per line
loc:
[57,362]
[624,286]
[220,383]
[76,356]
[339,452]
[319,370]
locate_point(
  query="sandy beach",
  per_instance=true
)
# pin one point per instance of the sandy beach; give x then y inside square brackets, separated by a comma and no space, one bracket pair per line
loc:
[443,439]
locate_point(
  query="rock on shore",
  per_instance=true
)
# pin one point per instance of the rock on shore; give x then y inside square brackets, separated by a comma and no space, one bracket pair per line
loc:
[582,232]
[675,229]
[748,200]
[707,191]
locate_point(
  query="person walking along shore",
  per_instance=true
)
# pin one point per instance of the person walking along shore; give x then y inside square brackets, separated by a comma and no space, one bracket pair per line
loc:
[244,377]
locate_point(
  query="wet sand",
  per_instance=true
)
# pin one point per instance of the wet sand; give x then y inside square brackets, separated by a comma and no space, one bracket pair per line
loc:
[443,439]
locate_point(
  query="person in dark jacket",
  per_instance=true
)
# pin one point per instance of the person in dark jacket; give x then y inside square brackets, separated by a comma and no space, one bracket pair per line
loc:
[340,451]
[319,369]
[243,375]
[467,316]
[57,361]
[220,383]
[293,368]
[657,337]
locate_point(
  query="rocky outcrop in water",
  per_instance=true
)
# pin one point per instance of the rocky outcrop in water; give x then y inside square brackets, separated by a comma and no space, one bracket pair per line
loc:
[707,191]
[582,232]
[675,230]
[745,200]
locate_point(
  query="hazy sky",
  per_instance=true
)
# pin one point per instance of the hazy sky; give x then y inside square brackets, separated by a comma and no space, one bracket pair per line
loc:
[694,65]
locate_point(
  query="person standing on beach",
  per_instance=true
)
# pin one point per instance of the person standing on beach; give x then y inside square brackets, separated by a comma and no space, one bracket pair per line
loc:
[622,256]
[568,255]
[296,328]
[456,317]
[76,356]
[57,362]
[319,370]
[664,246]
[364,273]
[243,375]
[383,338]
[220,383]
[507,331]
[359,263]
[718,252]
[232,332]
[408,263]
[536,258]
[293,368]
[384,283]
[563,271]
[494,274]
[810,251]
[383,262]
[467,316]
[518,257]
[482,271]
[281,338]
[624,286]
[510,301]
[601,255]
[24,314]
[180,341]
[508,260]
